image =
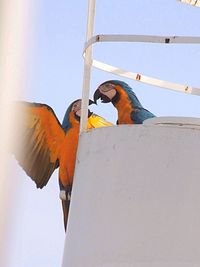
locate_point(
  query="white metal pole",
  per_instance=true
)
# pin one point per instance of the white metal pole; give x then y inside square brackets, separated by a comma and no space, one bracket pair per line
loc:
[87,66]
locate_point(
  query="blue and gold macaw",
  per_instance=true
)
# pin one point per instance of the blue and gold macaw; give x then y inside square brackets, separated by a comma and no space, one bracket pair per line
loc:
[45,144]
[130,110]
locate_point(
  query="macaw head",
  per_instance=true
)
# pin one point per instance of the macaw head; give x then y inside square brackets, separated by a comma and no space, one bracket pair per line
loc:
[73,114]
[110,91]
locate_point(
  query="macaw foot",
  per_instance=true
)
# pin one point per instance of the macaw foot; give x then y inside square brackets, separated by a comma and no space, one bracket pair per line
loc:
[66,194]
[62,195]
[69,195]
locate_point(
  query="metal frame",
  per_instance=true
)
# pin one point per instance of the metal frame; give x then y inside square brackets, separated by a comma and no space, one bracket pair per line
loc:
[191,2]
[87,66]
[89,61]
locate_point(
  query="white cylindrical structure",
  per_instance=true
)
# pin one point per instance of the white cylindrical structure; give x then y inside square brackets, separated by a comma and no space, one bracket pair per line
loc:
[136,197]
[16,17]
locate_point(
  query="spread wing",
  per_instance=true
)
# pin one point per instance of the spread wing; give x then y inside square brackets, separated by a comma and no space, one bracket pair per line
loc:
[39,137]
[95,121]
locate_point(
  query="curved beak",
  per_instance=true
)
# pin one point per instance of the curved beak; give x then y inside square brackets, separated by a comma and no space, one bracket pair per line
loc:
[96,95]
[91,102]
[104,98]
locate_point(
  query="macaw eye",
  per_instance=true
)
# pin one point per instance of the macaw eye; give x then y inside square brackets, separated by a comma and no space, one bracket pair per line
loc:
[76,106]
[106,87]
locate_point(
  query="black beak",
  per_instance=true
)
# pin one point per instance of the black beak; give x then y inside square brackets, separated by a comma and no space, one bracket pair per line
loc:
[104,98]
[91,102]
[96,96]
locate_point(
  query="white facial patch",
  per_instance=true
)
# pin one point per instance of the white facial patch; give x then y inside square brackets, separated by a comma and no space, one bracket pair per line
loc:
[108,90]
[106,87]
[76,106]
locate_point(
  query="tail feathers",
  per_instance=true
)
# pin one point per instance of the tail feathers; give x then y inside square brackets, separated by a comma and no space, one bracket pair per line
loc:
[65,196]
[65,207]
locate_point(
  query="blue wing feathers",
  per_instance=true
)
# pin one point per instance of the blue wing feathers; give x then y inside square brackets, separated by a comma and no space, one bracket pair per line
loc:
[139,114]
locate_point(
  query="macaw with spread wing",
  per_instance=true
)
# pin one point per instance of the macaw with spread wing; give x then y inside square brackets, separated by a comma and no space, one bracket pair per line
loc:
[44,144]
[130,110]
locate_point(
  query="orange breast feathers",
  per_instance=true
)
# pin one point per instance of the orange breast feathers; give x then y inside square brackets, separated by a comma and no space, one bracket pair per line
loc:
[123,107]
[67,157]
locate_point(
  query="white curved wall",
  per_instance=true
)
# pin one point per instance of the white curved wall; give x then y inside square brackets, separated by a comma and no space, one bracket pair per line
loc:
[136,197]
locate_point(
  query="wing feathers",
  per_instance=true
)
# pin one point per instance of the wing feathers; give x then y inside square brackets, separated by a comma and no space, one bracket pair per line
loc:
[39,139]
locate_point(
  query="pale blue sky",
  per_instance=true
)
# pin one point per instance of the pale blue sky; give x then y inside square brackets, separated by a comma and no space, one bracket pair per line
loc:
[55,68]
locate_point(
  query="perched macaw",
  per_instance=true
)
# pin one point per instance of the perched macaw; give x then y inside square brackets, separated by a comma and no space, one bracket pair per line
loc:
[45,144]
[130,110]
